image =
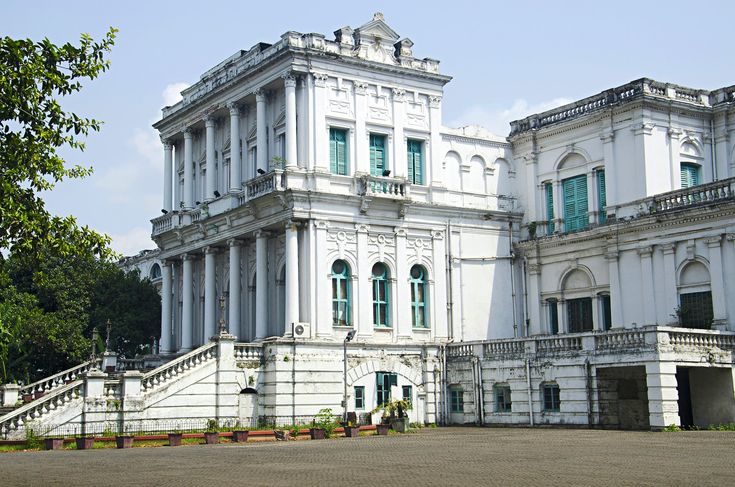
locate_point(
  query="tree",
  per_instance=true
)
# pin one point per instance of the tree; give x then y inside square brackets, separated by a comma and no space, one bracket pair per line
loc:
[33,126]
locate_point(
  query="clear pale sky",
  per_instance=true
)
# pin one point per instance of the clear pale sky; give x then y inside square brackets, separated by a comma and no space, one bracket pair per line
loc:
[508,60]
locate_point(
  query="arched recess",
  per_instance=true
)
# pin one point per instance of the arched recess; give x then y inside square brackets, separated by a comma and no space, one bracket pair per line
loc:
[695,295]
[473,176]
[356,373]
[248,406]
[503,172]
[571,159]
[577,288]
[452,162]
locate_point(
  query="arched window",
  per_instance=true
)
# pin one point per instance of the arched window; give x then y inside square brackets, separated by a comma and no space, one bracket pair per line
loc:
[155,272]
[695,297]
[418,297]
[381,293]
[341,294]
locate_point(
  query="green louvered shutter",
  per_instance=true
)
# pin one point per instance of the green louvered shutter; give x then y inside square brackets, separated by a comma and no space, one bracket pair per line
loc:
[415,162]
[377,154]
[338,151]
[689,175]
[575,203]
[601,196]
[549,208]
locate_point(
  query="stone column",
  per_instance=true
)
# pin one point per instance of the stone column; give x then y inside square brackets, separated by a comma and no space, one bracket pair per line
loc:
[168,163]
[364,292]
[210,293]
[261,284]
[261,132]
[438,318]
[400,167]
[188,170]
[320,126]
[165,346]
[717,283]
[436,178]
[558,206]
[235,163]
[323,283]
[669,285]
[292,275]
[616,298]
[401,318]
[611,186]
[235,279]
[210,180]
[187,322]
[291,141]
[591,198]
[663,407]
[649,296]
[360,154]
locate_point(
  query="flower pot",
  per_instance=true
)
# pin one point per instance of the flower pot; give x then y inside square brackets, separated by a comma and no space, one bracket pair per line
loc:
[317,433]
[85,443]
[399,425]
[124,441]
[382,429]
[281,435]
[352,431]
[211,437]
[52,443]
[174,439]
[239,436]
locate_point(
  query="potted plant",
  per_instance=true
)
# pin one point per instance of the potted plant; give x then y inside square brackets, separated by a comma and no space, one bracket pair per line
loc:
[52,443]
[85,442]
[211,436]
[351,430]
[323,425]
[394,415]
[174,438]
[124,441]
[239,436]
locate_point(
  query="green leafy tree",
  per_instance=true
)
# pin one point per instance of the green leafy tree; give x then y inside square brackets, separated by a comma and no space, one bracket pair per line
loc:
[33,126]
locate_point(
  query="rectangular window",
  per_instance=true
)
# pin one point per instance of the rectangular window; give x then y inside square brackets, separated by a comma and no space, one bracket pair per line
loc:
[456,398]
[549,208]
[415,161]
[553,316]
[551,397]
[695,310]
[606,312]
[338,151]
[575,203]
[378,155]
[359,397]
[689,175]
[383,382]
[601,197]
[502,399]
[407,393]
[579,315]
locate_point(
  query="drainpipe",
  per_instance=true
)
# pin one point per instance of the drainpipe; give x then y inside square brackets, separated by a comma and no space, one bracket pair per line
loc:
[445,390]
[450,293]
[525,297]
[474,389]
[480,391]
[293,380]
[512,278]
[529,390]
[588,387]
[712,147]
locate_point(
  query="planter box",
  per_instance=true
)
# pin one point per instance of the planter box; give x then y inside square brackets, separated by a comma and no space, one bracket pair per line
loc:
[174,439]
[124,441]
[382,429]
[211,437]
[52,443]
[85,443]
[317,433]
[281,435]
[352,431]
[399,425]
[239,436]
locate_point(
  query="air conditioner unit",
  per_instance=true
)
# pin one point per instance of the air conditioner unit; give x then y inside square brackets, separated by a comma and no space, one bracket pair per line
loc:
[301,330]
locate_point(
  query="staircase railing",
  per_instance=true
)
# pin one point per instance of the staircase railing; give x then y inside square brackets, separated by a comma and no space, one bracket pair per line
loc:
[169,370]
[34,410]
[45,385]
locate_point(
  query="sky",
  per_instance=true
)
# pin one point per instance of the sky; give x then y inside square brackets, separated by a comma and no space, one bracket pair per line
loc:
[507,59]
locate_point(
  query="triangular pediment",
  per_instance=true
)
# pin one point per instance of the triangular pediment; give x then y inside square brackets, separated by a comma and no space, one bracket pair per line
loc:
[376,28]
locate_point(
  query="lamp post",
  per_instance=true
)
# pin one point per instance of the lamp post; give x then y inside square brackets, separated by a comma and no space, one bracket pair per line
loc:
[93,355]
[348,338]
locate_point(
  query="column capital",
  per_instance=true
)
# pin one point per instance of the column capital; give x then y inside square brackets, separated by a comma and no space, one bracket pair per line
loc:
[435,101]
[612,255]
[607,136]
[209,249]
[399,94]
[291,225]
[234,108]
[321,224]
[730,237]
[260,95]
[167,144]
[209,120]
[645,251]
[188,132]
[289,79]
[713,242]
[668,248]
[261,234]
[320,79]
[399,232]
[233,242]
[185,257]
[362,227]
[437,235]
[360,87]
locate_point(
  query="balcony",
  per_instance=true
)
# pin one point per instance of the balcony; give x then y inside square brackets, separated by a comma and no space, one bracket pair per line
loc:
[383,187]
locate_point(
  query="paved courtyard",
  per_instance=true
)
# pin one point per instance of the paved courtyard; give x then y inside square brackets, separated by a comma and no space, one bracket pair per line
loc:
[442,456]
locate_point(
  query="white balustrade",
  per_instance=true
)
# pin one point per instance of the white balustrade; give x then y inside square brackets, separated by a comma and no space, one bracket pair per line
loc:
[171,369]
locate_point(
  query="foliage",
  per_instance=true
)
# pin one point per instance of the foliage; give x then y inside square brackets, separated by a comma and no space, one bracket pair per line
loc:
[395,408]
[33,126]
[326,421]
[49,304]
[722,427]
[672,428]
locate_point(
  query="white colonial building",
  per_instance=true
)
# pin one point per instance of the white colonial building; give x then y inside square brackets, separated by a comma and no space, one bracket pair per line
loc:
[579,271]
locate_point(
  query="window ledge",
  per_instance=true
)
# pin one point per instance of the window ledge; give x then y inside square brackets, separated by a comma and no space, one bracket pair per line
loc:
[417,329]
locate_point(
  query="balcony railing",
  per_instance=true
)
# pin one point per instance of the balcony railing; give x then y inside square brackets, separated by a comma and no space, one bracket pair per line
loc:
[380,186]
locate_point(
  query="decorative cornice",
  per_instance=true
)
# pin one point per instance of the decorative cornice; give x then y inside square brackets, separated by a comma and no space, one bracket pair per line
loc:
[435,101]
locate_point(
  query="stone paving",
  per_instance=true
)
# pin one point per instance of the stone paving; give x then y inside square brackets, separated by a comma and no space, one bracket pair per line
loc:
[441,456]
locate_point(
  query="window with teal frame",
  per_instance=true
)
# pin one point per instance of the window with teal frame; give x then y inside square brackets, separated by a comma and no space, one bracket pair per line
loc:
[381,295]
[550,397]
[418,297]
[575,203]
[601,197]
[553,316]
[415,161]
[378,159]
[383,383]
[407,393]
[689,175]
[456,400]
[341,294]
[359,397]
[549,208]
[338,151]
